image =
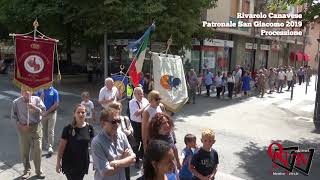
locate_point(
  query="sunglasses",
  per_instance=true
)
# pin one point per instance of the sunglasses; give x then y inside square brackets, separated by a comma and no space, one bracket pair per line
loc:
[157,99]
[115,121]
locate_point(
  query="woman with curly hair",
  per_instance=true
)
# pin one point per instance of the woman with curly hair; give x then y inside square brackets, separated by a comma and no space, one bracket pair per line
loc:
[161,128]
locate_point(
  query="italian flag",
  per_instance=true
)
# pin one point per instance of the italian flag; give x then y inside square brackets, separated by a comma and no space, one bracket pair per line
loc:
[139,48]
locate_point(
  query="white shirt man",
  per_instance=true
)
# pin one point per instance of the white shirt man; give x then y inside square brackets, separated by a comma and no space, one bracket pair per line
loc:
[138,103]
[281,75]
[109,93]
[289,75]
[136,106]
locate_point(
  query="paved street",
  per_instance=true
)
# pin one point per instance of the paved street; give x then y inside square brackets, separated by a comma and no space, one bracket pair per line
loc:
[244,129]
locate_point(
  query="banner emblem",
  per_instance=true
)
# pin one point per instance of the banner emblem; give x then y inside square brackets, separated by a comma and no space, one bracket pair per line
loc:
[34,64]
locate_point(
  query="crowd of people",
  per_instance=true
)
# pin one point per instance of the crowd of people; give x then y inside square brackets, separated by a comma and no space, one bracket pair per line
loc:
[242,82]
[143,138]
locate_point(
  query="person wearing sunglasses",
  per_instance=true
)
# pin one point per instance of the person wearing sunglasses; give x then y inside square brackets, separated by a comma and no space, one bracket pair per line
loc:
[154,107]
[73,153]
[111,151]
[126,128]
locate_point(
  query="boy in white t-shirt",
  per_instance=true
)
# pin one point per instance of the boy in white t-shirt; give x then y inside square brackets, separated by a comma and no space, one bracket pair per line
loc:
[90,112]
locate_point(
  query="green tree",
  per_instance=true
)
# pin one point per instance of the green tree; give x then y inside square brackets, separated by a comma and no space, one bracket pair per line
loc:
[78,21]
[310,10]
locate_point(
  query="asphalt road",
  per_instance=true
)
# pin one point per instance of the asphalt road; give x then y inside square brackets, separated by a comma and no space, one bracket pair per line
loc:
[244,127]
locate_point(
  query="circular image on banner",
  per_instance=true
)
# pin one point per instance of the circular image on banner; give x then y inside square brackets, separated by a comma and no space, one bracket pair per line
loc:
[120,86]
[168,82]
[34,64]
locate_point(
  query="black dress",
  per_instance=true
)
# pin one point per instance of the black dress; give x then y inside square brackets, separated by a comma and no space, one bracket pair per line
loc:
[75,159]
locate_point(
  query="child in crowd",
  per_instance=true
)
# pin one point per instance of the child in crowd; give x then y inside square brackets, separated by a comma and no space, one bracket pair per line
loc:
[90,112]
[190,140]
[204,162]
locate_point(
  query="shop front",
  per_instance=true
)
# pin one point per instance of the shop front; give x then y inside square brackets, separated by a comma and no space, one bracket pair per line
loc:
[213,55]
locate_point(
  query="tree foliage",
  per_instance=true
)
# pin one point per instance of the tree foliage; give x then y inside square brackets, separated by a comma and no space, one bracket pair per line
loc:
[310,11]
[83,20]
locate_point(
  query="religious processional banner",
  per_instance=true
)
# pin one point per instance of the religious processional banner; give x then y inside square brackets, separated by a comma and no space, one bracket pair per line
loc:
[169,80]
[121,82]
[34,62]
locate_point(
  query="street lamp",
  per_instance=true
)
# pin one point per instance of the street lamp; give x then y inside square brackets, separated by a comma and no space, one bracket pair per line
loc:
[316,115]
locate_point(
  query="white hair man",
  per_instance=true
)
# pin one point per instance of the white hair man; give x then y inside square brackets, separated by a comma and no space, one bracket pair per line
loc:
[109,93]
[136,107]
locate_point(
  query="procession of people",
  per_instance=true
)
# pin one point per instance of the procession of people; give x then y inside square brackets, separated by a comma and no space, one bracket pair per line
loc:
[128,138]
[242,82]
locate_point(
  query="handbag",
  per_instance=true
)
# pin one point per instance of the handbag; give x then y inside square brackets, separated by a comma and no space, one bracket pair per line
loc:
[131,138]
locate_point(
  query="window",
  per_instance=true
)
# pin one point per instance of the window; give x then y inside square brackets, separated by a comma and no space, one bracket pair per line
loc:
[246,6]
[195,59]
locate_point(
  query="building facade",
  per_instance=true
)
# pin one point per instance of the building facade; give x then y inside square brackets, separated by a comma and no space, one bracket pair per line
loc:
[244,46]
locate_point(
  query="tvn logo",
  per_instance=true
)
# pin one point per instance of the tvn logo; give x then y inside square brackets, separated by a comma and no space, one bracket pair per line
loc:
[286,159]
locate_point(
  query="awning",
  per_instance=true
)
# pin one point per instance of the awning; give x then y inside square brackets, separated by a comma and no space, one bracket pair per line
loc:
[306,57]
[298,55]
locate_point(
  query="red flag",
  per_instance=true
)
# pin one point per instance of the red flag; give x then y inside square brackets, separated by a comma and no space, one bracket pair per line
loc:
[34,62]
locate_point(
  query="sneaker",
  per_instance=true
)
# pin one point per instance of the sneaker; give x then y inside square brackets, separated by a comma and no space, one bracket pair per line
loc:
[40,176]
[26,175]
[50,150]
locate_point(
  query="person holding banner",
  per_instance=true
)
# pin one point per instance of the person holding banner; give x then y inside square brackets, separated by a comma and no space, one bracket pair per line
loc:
[109,93]
[136,107]
[26,112]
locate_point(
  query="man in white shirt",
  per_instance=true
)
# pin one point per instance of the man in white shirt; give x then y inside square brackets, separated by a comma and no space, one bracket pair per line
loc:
[281,77]
[289,75]
[136,107]
[109,93]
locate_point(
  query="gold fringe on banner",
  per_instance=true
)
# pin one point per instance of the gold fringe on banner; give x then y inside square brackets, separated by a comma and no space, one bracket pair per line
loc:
[19,85]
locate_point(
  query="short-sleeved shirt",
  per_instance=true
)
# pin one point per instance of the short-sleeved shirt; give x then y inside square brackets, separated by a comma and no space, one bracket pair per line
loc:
[19,111]
[281,75]
[76,154]
[301,72]
[51,96]
[193,79]
[208,78]
[89,108]
[238,75]
[289,75]
[205,162]
[134,107]
[218,80]
[106,94]
[186,155]
[104,150]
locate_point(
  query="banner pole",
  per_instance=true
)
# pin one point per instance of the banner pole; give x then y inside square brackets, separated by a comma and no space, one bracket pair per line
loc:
[35,26]
[28,114]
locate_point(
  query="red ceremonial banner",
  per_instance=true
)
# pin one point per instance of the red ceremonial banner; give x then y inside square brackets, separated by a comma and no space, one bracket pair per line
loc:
[34,62]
